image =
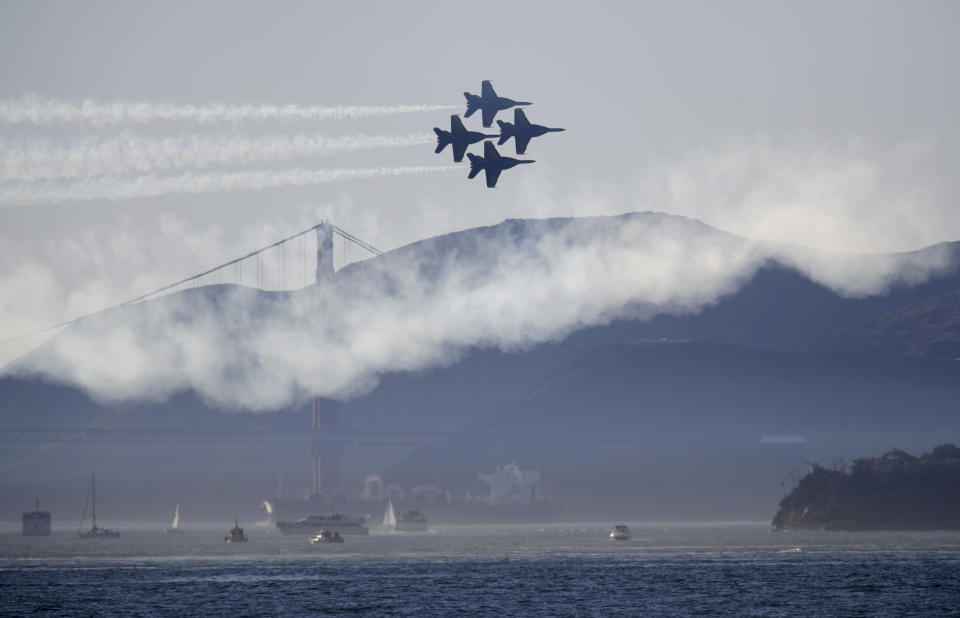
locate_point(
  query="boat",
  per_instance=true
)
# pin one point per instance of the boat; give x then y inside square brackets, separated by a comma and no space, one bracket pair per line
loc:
[410,521]
[236,534]
[326,536]
[36,522]
[336,522]
[620,533]
[175,525]
[95,532]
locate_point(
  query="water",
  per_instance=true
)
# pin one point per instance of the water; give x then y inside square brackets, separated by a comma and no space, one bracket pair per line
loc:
[667,569]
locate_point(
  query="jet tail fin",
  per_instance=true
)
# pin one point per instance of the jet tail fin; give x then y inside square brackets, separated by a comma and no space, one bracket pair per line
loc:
[506,132]
[476,164]
[473,104]
[443,138]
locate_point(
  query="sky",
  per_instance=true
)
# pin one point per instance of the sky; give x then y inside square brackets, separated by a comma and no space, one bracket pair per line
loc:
[824,125]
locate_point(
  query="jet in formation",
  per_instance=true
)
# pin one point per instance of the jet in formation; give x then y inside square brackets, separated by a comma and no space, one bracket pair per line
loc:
[458,137]
[489,103]
[522,131]
[492,163]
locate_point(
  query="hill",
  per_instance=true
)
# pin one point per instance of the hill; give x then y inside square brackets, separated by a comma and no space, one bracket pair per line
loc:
[929,328]
[620,422]
[695,430]
[894,492]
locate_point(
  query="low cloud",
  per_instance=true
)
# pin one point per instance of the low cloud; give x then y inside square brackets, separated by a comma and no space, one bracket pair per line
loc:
[508,287]
[849,194]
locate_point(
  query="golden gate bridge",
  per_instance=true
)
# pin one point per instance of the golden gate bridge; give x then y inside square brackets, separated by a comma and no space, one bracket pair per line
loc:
[282,265]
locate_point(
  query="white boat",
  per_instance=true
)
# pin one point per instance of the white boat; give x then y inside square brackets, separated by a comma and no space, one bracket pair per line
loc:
[95,532]
[410,521]
[236,534]
[36,522]
[336,522]
[175,525]
[326,536]
[620,533]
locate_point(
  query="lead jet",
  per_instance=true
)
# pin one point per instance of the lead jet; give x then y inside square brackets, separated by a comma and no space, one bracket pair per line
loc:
[522,131]
[489,102]
[492,163]
[458,137]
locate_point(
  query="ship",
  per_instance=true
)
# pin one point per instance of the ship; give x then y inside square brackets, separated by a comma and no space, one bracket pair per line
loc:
[37,522]
[336,522]
[236,534]
[410,521]
[95,532]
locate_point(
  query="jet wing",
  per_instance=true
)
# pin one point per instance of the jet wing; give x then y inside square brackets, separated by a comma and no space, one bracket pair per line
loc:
[521,143]
[459,148]
[456,125]
[492,176]
[489,152]
[486,89]
[519,118]
[488,114]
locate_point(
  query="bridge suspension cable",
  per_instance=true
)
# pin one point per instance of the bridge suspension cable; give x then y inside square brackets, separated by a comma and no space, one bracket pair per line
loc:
[259,274]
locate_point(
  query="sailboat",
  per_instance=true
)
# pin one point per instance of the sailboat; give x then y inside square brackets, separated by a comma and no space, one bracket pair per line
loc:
[95,531]
[175,526]
[411,521]
[390,517]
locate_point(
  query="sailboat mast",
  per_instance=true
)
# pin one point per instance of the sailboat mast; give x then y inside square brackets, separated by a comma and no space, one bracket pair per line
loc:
[93,489]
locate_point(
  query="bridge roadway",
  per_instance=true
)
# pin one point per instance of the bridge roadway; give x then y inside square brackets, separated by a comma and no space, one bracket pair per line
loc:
[347,437]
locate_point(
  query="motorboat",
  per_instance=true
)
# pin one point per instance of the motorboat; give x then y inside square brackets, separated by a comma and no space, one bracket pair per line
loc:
[620,533]
[326,536]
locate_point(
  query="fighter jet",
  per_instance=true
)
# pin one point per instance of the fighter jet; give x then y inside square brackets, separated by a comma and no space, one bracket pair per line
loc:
[521,131]
[459,137]
[489,102]
[492,163]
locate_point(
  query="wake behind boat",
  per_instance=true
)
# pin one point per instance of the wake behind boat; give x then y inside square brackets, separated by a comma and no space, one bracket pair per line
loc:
[95,532]
[336,522]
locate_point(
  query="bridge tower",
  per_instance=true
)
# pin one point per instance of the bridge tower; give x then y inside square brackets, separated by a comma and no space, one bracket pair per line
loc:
[325,450]
[324,252]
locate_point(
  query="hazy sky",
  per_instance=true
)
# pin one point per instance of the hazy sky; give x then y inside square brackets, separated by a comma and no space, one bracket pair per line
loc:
[830,125]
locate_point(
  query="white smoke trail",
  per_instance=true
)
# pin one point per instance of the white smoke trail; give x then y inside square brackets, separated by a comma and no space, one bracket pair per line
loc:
[115,188]
[32,109]
[42,159]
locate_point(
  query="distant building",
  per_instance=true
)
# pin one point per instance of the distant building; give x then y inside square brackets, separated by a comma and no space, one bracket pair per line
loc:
[511,485]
